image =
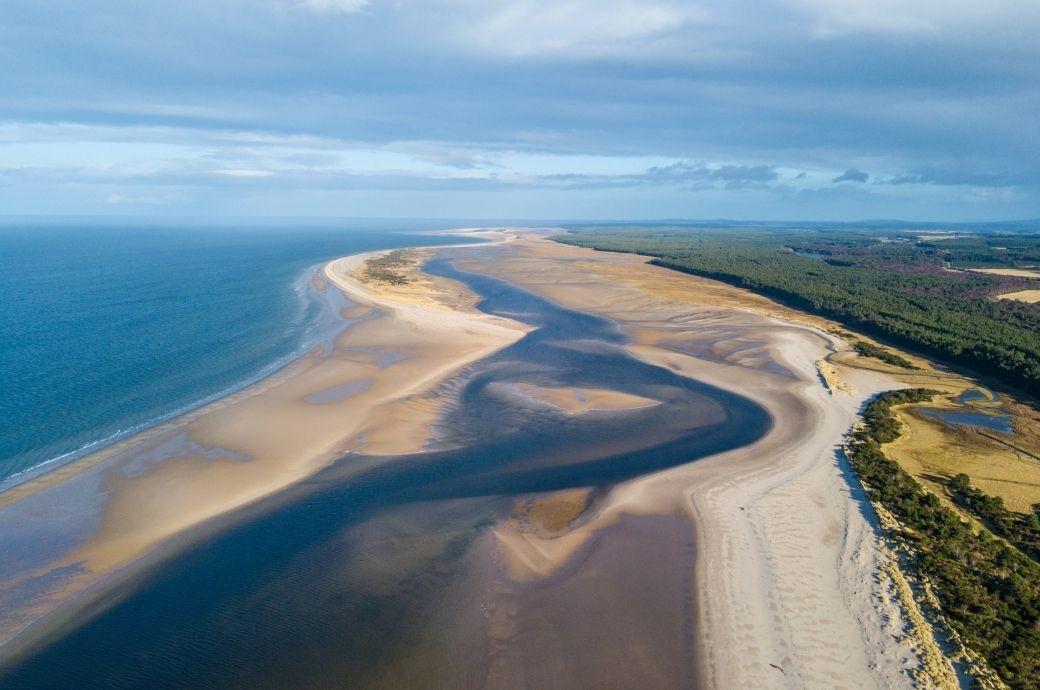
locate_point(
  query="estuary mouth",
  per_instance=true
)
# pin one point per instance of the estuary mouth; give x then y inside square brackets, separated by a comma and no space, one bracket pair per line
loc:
[349,566]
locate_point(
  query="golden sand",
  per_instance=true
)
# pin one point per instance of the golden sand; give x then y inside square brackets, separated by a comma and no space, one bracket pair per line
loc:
[579,400]
[551,513]
[246,446]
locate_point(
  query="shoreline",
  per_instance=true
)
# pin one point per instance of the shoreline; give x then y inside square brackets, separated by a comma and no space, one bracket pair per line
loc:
[142,497]
[263,372]
[783,580]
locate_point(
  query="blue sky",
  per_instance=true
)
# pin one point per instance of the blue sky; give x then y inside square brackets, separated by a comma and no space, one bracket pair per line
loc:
[747,109]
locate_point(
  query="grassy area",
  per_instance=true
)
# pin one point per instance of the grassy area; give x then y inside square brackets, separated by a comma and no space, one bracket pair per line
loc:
[389,268]
[870,350]
[989,590]
[933,452]
[1021,530]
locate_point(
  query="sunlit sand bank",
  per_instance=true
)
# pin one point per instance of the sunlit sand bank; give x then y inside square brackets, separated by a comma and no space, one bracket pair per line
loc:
[73,529]
[787,584]
[581,400]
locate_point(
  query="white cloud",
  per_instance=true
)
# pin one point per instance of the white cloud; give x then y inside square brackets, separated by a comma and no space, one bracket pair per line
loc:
[240,172]
[836,17]
[334,6]
[533,27]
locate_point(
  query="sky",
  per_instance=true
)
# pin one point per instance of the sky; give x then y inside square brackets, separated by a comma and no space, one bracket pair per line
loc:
[563,109]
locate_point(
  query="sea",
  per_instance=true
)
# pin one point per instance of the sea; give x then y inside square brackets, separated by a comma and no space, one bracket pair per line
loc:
[108,327]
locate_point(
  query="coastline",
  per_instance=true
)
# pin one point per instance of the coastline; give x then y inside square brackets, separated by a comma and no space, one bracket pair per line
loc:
[158,485]
[263,372]
[320,333]
[775,562]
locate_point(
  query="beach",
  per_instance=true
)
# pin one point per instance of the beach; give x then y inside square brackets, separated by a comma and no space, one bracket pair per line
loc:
[788,555]
[716,539]
[140,493]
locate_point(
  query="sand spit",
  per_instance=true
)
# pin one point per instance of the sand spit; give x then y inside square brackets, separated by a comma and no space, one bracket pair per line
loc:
[788,591]
[70,530]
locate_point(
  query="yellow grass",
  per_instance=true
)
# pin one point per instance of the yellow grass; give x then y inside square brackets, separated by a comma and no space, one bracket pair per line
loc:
[1013,272]
[933,452]
[1031,296]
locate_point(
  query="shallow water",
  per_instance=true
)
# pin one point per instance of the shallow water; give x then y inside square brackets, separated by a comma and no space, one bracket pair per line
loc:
[108,329]
[972,395]
[1000,423]
[339,579]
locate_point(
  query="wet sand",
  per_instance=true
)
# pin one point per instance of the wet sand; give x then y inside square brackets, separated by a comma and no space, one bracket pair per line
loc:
[70,530]
[344,575]
[787,590]
[625,563]
[581,400]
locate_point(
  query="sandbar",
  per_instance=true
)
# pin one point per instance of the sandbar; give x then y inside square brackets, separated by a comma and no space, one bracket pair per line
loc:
[72,531]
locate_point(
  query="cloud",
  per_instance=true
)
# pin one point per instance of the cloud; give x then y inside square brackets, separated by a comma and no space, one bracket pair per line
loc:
[686,175]
[744,173]
[570,100]
[334,6]
[852,175]
[967,176]
[584,27]
[243,172]
[688,170]
[930,17]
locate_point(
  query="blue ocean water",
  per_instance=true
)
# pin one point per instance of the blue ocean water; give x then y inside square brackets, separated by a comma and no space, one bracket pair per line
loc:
[107,329]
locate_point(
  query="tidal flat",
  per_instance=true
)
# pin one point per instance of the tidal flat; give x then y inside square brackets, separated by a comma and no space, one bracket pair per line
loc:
[576,469]
[334,570]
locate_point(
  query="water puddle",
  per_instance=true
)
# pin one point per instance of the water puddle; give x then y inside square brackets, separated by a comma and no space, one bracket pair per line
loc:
[1001,423]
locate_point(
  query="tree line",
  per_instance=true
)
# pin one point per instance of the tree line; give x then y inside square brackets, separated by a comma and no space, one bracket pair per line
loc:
[989,590]
[898,292]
